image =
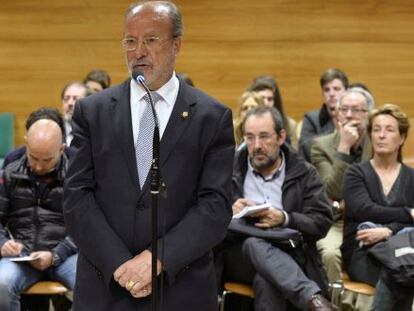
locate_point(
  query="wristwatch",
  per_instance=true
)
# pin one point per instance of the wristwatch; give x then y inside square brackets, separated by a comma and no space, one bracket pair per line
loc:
[56,260]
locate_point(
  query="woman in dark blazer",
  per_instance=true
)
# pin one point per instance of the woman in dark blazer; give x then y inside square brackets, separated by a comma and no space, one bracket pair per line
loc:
[380,192]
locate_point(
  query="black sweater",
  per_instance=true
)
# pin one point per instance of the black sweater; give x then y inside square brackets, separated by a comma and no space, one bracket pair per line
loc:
[365,201]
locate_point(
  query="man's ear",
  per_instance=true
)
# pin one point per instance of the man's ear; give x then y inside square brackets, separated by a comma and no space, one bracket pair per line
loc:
[177,45]
[62,148]
[281,138]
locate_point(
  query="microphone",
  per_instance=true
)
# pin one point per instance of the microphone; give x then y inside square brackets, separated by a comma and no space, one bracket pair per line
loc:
[156,182]
[139,78]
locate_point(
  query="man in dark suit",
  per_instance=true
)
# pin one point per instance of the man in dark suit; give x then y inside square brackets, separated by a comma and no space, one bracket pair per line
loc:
[108,202]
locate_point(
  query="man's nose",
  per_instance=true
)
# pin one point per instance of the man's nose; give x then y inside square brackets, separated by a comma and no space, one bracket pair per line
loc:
[257,143]
[349,113]
[141,50]
[38,168]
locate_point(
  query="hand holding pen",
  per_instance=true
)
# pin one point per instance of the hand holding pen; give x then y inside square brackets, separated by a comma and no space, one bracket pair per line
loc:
[11,247]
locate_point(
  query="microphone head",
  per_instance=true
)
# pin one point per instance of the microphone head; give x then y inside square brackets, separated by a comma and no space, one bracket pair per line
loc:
[138,76]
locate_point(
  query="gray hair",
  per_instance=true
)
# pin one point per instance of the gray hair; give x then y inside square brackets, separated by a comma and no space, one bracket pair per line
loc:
[369,99]
[166,7]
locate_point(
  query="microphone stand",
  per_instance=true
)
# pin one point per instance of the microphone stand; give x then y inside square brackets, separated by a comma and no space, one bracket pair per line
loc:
[157,186]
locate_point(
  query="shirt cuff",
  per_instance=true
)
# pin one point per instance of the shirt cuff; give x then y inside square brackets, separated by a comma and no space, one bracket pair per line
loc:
[286,222]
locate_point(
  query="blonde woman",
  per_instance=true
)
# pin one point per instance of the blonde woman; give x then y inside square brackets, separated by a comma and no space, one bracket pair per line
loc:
[247,101]
[379,201]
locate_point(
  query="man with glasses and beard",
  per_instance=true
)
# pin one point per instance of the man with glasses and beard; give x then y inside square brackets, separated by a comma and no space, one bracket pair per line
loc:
[269,171]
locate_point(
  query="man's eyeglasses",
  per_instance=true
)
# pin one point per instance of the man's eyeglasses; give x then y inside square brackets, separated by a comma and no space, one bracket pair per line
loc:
[353,110]
[250,139]
[131,44]
[69,97]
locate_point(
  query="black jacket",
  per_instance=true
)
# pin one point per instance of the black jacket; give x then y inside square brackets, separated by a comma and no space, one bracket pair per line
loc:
[32,210]
[304,197]
[304,200]
[315,123]
[109,215]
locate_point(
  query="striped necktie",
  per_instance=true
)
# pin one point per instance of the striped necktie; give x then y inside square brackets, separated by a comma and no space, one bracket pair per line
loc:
[143,148]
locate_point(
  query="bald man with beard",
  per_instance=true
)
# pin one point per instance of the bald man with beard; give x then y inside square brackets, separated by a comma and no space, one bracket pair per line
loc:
[31,219]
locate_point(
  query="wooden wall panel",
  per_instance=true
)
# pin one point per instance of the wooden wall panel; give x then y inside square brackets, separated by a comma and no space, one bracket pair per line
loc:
[44,44]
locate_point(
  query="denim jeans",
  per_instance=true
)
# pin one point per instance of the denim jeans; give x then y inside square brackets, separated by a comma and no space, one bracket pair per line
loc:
[16,277]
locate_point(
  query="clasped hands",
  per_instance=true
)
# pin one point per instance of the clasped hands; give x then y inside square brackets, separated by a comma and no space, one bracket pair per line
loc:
[269,218]
[135,274]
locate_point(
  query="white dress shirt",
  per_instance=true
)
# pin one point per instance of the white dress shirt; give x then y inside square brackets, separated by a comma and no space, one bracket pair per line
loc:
[163,108]
[68,132]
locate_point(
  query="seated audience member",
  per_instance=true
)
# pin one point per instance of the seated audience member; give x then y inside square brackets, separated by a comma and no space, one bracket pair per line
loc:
[186,78]
[379,191]
[97,80]
[31,217]
[331,155]
[268,89]
[39,114]
[247,101]
[333,83]
[71,93]
[270,171]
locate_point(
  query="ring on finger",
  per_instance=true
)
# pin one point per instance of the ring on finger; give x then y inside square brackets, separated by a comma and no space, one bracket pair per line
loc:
[130,284]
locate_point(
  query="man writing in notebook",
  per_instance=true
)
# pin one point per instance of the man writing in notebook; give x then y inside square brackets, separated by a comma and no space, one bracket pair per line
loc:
[31,190]
[268,171]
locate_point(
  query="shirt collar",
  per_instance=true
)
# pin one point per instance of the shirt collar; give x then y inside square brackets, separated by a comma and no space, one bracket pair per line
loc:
[167,91]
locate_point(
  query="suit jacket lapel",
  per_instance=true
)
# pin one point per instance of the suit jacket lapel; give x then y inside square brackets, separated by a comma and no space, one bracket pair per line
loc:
[367,149]
[122,126]
[181,116]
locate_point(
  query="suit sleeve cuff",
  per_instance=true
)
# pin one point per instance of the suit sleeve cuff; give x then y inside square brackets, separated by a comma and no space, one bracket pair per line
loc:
[345,157]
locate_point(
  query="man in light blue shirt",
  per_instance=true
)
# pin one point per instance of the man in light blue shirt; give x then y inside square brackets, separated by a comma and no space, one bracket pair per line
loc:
[268,171]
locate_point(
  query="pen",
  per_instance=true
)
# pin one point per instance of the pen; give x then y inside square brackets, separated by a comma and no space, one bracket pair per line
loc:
[10,234]
[12,238]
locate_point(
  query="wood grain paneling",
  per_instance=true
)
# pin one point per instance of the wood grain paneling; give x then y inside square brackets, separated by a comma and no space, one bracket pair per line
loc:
[44,44]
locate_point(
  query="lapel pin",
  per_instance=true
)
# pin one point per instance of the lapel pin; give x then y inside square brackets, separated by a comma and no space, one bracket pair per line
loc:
[184,115]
